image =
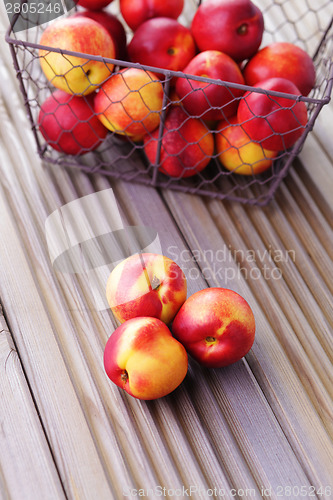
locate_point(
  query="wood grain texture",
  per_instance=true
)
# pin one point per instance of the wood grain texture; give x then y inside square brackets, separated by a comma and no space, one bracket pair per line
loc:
[26,461]
[268,360]
[41,356]
[264,422]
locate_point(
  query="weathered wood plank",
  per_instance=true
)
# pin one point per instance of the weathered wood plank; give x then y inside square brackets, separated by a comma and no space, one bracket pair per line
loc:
[272,369]
[306,237]
[315,171]
[294,264]
[283,246]
[70,438]
[301,276]
[319,222]
[26,462]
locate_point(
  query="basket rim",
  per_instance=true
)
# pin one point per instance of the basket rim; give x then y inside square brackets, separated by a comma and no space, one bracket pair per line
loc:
[170,74]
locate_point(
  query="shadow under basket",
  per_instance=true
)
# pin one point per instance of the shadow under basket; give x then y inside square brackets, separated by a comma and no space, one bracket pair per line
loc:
[121,157]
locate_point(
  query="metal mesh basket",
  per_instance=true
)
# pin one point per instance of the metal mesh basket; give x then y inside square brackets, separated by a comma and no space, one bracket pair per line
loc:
[295,21]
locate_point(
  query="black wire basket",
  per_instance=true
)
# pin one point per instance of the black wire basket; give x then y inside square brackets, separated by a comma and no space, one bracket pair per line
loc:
[299,22]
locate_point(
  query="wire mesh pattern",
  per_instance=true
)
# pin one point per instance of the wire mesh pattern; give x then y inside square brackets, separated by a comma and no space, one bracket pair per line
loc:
[150,135]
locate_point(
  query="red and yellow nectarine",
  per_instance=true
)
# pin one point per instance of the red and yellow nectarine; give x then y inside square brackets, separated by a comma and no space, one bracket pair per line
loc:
[216,326]
[203,99]
[69,125]
[76,74]
[146,284]
[238,153]
[130,102]
[276,122]
[187,144]
[282,59]
[143,358]
[113,26]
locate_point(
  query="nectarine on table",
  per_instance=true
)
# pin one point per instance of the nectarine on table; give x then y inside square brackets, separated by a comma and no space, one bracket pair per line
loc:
[143,358]
[216,326]
[146,284]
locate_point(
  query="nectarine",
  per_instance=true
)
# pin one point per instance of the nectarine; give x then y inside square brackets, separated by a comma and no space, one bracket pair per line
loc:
[238,153]
[216,326]
[113,26]
[234,27]
[69,125]
[142,357]
[273,121]
[162,42]
[146,284]
[138,11]
[130,102]
[76,74]
[210,101]
[282,59]
[187,144]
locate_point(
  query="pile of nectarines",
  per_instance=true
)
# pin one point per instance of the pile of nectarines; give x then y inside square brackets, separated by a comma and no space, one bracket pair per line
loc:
[147,355]
[228,97]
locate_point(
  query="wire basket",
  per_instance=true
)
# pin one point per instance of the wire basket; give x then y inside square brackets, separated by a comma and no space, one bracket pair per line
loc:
[295,21]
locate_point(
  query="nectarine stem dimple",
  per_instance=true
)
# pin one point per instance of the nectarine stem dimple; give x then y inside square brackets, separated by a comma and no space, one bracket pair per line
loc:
[155,283]
[171,51]
[210,340]
[242,30]
[124,376]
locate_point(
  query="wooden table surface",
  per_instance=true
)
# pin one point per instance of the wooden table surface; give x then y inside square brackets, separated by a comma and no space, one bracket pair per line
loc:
[261,428]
